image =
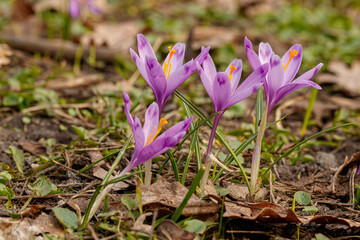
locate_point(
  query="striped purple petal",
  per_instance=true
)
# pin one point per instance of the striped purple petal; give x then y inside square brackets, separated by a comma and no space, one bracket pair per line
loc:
[293,65]
[221,89]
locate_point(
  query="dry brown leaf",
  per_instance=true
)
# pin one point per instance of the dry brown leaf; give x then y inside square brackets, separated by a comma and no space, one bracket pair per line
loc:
[210,36]
[269,212]
[21,10]
[348,103]
[99,172]
[213,36]
[209,190]
[119,37]
[140,226]
[354,161]
[95,156]
[171,194]
[31,147]
[241,192]
[343,169]
[226,6]
[81,81]
[5,54]
[24,229]
[346,77]
[236,191]
[83,202]
[233,209]
[168,229]
[256,7]
[325,219]
[61,5]
[33,210]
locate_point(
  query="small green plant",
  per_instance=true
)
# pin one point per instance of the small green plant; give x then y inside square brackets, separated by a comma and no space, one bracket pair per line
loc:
[5,189]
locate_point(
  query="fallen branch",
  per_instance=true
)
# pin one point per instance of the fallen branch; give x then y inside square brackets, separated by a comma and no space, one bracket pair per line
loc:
[57,48]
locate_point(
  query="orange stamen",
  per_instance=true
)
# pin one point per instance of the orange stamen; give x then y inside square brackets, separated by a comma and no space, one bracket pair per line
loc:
[152,138]
[293,53]
[232,69]
[167,65]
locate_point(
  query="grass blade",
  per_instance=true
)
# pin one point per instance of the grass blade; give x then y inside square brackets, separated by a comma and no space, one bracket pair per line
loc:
[304,141]
[122,178]
[218,134]
[192,189]
[308,112]
[174,165]
[186,137]
[241,148]
[106,178]
[194,146]
[101,159]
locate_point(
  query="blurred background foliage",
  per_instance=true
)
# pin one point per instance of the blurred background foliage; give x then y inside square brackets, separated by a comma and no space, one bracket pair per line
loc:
[326,29]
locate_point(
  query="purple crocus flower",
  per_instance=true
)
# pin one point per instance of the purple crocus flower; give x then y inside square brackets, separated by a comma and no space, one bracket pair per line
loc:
[279,80]
[147,142]
[223,88]
[163,80]
[75,7]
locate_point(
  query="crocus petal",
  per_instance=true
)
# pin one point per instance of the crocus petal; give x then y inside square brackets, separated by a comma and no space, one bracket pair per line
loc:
[294,64]
[179,127]
[206,81]
[74,8]
[209,67]
[255,77]
[139,136]
[157,78]
[309,74]
[151,122]
[289,88]
[159,146]
[92,7]
[236,75]
[200,58]
[144,47]
[140,64]
[203,54]
[177,58]
[165,141]
[275,77]
[251,55]
[181,74]
[178,77]
[265,52]
[221,90]
[250,85]
[127,109]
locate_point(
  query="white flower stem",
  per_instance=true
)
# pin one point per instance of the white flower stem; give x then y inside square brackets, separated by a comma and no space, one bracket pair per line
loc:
[255,165]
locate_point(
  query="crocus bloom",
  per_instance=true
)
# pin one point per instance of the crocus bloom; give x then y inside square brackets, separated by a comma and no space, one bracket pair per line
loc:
[75,7]
[163,80]
[223,88]
[148,142]
[279,80]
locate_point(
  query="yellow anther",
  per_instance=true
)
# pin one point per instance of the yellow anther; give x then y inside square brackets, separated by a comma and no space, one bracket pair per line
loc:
[152,138]
[232,69]
[293,53]
[167,65]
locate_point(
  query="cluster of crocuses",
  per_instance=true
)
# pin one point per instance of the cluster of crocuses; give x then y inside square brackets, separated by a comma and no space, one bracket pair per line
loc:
[271,72]
[75,6]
